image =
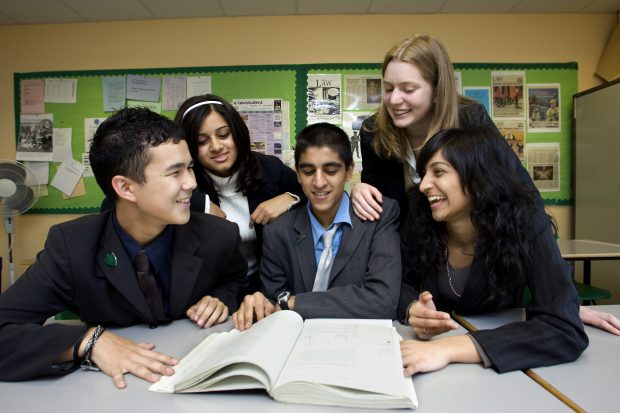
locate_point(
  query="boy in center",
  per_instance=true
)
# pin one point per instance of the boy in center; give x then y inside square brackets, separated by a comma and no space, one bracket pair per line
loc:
[321,260]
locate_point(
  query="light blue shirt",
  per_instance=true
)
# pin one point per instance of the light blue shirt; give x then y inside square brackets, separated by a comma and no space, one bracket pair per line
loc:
[342,217]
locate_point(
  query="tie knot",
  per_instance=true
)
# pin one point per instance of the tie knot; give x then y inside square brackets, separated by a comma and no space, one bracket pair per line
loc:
[141,262]
[328,236]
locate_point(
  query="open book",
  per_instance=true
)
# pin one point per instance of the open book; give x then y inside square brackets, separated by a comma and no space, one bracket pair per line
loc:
[337,362]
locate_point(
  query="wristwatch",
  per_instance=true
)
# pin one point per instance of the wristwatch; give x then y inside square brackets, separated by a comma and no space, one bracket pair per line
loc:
[283,299]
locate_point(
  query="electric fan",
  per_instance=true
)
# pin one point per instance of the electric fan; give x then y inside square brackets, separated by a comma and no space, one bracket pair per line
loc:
[17,195]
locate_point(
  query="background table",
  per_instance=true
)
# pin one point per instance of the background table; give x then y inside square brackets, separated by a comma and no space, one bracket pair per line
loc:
[455,388]
[588,251]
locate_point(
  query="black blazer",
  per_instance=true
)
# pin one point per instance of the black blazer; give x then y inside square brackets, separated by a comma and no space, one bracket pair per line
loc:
[70,273]
[553,332]
[276,179]
[387,175]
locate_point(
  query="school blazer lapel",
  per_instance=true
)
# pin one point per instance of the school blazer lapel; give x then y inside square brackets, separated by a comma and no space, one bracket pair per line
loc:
[303,244]
[185,269]
[122,275]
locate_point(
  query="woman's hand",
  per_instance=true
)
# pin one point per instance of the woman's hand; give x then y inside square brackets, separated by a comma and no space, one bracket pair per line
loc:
[599,319]
[366,201]
[271,209]
[426,321]
[426,356]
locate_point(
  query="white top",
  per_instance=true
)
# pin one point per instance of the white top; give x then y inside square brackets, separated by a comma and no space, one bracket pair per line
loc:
[237,210]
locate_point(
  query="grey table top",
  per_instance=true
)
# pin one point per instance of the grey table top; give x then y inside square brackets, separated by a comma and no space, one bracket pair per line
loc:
[458,387]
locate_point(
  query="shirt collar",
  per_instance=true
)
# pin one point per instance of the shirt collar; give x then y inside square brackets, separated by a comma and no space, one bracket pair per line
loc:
[158,250]
[343,216]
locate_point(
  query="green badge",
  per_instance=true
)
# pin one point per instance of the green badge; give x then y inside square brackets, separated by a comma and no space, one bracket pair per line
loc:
[110,260]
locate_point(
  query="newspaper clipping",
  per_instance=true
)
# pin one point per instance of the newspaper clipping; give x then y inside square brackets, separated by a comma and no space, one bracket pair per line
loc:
[513,130]
[265,120]
[362,92]
[543,165]
[324,98]
[508,94]
[544,112]
[35,141]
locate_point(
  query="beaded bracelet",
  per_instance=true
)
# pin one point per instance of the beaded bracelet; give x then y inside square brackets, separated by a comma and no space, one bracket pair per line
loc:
[87,364]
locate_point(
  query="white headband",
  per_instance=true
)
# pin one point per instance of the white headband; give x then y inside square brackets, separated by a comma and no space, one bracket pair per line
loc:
[204,102]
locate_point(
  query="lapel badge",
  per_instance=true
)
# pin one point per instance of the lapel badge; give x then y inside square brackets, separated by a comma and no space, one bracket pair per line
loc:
[110,260]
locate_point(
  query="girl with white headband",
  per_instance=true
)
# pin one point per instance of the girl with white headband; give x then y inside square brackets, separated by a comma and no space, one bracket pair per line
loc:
[251,188]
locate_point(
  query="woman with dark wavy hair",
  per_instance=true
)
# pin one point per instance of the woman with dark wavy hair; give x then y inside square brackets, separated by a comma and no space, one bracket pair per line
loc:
[477,240]
[248,188]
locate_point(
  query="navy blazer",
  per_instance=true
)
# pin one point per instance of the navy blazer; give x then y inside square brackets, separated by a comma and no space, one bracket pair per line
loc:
[71,273]
[365,278]
[553,332]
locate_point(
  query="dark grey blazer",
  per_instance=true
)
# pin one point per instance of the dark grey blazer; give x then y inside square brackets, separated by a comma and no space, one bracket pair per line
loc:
[364,280]
[71,274]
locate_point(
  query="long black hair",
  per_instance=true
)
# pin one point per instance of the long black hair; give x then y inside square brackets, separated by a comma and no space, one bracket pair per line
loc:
[502,206]
[246,164]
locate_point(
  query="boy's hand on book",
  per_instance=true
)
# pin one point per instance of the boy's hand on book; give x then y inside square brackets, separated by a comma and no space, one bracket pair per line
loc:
[254,307]
[208,311]
[116,355]
[426,321]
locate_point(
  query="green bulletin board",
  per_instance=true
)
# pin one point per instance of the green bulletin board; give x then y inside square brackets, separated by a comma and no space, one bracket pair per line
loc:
[289,83]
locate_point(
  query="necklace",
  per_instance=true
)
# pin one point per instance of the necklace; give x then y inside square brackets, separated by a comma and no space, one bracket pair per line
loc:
[450,278]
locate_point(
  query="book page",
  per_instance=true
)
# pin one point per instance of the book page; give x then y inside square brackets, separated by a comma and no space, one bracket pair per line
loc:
[266,345]
[347,353]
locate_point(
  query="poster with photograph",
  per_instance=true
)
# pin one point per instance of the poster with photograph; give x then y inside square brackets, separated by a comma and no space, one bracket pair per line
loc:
[544,107]
[352,124]
[362,92]
[480,94]
[508,94]
[513,130]
[35,141]
[264,118]
[543,165]
[324,98]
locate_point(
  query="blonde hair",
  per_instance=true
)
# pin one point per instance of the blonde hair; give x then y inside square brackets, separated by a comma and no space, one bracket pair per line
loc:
[430,57]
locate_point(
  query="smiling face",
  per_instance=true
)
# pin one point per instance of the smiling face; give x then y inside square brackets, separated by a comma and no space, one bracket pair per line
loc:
[164,196]
[217,151]
[322,175]
[408,97]
[442,186]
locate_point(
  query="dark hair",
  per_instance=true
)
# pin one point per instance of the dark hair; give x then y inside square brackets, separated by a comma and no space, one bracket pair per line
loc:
[502,205]
[324,134]
[121,143]
[246,163]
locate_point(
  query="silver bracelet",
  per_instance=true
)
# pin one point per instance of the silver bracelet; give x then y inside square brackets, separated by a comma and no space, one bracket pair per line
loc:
[295,202]
[87,364]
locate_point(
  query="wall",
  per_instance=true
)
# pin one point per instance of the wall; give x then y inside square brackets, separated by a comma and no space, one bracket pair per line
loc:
[281,40]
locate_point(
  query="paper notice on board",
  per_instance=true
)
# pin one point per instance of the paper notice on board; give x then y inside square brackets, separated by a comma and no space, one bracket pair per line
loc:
[68,175]
[544,107]
[174,92]
[543,165]
[323,93]
[32,96]
[198,85]
[114,92]
[362,92]
[61,90]
[90,127]
[62,144]
[35,141]
[508,94]
[143,88]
